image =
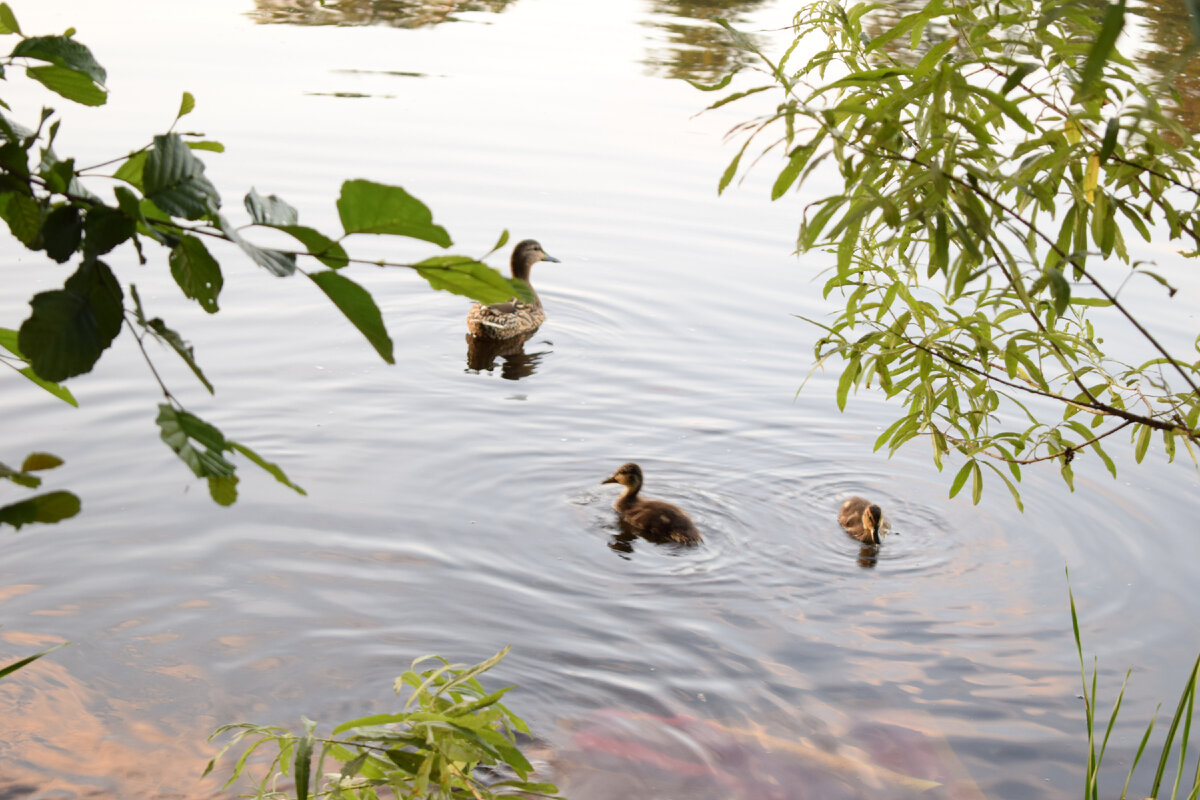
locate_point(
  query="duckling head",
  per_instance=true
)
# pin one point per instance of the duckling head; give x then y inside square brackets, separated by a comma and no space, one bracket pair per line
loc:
[872,519]
[525,255]
[627,475]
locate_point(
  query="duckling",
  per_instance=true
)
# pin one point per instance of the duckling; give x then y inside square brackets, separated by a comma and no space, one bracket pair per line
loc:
[863,520]
[653,519]
[514,318]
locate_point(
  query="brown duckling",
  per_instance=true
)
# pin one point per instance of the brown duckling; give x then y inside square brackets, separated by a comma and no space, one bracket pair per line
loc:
[863,520]
[515,318]
[653,519]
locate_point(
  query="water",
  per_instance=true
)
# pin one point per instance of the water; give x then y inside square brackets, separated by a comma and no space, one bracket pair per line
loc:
[456,509]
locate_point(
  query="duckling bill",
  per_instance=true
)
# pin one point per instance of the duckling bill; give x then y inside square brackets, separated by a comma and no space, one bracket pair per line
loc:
[514,319]
[863,520]
[652,519]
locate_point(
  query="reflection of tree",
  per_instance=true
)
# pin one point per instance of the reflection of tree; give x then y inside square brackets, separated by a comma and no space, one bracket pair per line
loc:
[1169,31]
[695,46]
[397,13]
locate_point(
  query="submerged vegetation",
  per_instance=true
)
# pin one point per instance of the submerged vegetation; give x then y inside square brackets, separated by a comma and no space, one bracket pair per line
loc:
[994,158]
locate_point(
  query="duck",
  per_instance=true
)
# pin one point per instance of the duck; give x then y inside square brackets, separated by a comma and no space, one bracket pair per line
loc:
[516,318]
[652,519]
[863,520]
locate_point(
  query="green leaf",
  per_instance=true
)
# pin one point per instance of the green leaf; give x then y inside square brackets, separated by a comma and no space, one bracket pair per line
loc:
[105,228]
[8,669]
[132,169]
[186,104]
[174,180]
[35,462]
[468,277]
[8,22]
[179,429]
[68,83]
[368,207]
[56,389]
[70,327]
[976,483]
[789,173]
[23,215]
[279,264]
[272,469]
[62,51]
[182,348]
[845,382]
[1060,290]
[62,232]
[223,489]
[197,272]
[44,508]
[270,210]
[1102,48]
[1143,442]
[359,307]
[960,479]
[318,245]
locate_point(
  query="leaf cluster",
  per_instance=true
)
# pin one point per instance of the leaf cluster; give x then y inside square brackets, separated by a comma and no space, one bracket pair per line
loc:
[436,746]
[993,159]
[160,197]
[44,508]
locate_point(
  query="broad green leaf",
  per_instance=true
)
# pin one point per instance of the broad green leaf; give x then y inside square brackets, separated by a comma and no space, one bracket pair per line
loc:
[368,207]
[105,228]
[270,210]
[23,215]
[179,429]
[62,51]
[40,461]
[44,508]
[56,389]
[62,233]
[8,22]
[19,477]
[467,277]
[69,83]
[960,479]
[186,104]
[223,489]
[70,327]
[270,468]
[279,264]
[132,169]
[197,272]
[318,245]
[359,307]
[174,180]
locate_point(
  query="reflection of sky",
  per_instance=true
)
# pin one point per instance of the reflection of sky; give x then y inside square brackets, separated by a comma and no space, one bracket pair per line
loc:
[440,498]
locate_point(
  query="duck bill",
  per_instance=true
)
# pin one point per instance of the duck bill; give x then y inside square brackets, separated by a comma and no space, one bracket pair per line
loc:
[548,257]
[609,479]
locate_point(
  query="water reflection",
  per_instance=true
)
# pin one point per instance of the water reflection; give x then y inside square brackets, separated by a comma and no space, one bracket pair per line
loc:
[696,47]
[517,364]
[396,13]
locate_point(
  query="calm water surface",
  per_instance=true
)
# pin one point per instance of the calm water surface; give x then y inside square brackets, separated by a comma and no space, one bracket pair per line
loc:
[456,510]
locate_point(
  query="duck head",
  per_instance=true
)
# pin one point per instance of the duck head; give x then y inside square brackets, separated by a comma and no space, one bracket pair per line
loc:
[525,255]
[627,475]
[872,519]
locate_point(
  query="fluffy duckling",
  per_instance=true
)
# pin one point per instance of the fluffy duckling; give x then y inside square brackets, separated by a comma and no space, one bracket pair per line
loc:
[863,520]
[653,519]
[515,318]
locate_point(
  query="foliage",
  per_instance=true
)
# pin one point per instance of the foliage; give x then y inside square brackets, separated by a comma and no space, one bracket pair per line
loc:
[447,728]
[1181,724]
[45,508]
[161,197]
[994,157]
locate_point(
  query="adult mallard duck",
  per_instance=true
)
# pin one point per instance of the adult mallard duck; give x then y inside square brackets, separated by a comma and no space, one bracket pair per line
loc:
[863,520]
[652,519]
[515,318]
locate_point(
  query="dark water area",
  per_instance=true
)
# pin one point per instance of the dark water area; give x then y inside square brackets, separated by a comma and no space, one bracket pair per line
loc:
[455,504]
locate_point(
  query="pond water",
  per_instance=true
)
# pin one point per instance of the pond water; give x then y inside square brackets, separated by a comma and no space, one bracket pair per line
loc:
[456,508]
